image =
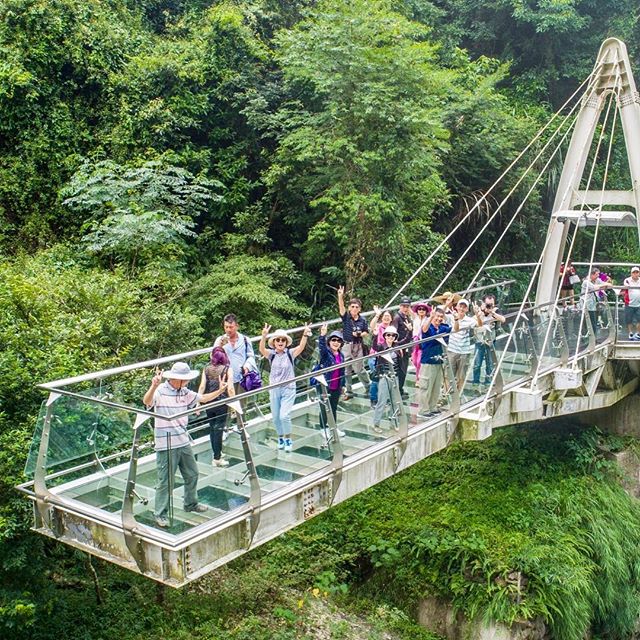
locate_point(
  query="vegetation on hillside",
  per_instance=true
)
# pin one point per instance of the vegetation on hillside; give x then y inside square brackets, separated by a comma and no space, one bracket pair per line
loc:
[163,162]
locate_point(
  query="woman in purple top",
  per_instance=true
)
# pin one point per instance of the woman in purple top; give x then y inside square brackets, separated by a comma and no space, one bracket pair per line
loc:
[330,355]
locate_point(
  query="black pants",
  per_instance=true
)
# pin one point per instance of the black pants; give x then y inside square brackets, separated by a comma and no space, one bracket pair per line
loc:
[403,366]
[334,398]
[217,419]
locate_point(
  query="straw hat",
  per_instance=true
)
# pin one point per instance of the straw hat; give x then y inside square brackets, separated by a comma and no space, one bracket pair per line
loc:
[445,296]
[280,333]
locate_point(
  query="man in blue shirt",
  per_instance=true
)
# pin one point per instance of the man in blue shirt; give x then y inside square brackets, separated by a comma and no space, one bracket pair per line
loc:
[431,361]
[238,349]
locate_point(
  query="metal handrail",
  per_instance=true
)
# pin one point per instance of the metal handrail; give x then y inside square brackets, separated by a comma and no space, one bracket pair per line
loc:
[55,385]
[299,378]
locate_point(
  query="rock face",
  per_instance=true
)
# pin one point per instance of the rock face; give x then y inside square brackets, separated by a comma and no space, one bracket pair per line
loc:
[629,462]
[438,616]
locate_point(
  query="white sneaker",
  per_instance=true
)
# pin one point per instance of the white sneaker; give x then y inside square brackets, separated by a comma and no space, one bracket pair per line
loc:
[341,433]
[220,463]
[288,445]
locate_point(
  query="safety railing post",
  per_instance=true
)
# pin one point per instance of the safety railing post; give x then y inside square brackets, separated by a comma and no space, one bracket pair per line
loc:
[332,437]
[129,523]
[255,498]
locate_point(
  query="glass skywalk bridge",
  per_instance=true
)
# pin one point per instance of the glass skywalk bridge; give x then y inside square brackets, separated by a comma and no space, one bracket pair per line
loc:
[93,466]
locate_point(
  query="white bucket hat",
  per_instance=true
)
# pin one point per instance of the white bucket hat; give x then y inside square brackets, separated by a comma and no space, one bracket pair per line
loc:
[180,371]
[390,331]
[280,333]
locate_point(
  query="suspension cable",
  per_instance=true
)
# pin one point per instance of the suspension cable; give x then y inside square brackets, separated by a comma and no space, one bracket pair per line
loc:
[590,89]
[554,308]
[492,187]
[598,215]
[525,199]
[525,298]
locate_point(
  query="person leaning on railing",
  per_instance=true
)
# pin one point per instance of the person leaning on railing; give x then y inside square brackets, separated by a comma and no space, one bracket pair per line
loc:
[486,336]
[172,440]
[589,296]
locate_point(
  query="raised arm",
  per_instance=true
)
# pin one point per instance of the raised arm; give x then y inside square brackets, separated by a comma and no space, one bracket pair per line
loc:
[262,347]
[373,325]
[209,397]
[155,383]
[478,314]
[341,308]
[427,321]
[303,341]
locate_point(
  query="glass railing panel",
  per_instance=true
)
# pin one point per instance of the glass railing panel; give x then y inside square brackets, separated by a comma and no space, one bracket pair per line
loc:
[34,449]
[473,386]
[569,321]
[549,334]
[584,325]
[606,322]
[82,434]
[180,485]
[514,350]
[618,311]
[291,449]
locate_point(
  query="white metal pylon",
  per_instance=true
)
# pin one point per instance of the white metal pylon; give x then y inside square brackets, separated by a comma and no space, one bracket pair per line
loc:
[612,72]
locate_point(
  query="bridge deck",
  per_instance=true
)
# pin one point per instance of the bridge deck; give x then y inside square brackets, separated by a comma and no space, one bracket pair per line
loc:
[99,497]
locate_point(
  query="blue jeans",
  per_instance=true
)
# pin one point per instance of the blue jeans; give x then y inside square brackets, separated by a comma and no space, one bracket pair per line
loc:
[180,457]
[282,400]
[483,354]
[373,387]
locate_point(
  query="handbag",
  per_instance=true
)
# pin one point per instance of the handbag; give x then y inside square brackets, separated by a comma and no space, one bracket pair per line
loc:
[574,279]
[251,381]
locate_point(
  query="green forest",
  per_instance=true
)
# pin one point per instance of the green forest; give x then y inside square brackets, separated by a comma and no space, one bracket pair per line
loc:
[164,162]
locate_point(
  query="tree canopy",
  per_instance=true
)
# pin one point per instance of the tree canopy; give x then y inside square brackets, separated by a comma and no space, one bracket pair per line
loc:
[164,162]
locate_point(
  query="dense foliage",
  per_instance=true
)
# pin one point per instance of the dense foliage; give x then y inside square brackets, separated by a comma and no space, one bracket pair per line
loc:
[163,162]
[530,524]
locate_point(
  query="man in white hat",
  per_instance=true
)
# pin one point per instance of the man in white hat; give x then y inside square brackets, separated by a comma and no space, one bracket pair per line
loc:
[632,303]
[172,440]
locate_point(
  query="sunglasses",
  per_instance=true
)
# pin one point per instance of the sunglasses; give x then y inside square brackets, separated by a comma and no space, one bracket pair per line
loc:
[335,340]
[279,339]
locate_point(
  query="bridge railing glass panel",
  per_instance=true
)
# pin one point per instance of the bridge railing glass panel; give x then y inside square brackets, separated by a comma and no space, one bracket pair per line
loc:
[514,349]
[83,439]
